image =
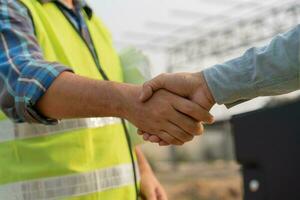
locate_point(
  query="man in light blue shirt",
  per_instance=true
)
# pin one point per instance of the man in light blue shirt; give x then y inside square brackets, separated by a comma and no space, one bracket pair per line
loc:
[269,70]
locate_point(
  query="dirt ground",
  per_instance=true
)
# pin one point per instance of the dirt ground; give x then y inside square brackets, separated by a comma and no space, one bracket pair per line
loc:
[215,181]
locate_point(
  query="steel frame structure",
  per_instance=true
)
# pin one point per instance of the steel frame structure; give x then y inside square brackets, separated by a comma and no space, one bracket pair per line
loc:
[232,36]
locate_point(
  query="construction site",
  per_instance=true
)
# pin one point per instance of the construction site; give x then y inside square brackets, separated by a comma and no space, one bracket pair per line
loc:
[149,100]
[176,36]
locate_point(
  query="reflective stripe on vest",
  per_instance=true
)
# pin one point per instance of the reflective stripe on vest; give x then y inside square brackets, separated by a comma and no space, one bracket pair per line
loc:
[30,168]
[71,185]
[10,131]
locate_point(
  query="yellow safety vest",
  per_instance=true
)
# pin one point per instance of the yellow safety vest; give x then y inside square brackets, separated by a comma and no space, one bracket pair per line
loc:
[86,159]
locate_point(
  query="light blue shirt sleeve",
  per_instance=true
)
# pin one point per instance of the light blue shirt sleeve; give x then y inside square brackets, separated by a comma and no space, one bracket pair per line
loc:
[266,71]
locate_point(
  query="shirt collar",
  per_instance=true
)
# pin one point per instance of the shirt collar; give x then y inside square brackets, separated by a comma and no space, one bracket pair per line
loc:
[78,3]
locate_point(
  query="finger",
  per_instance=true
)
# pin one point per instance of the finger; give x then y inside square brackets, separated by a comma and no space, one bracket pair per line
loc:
[178,133]
[192,109]
[150,137]
[151,86]
[149,194]
[160,194]
[147,92]
[167,138]
[186,123]
[201,128]
[154,139]
[163,143]
[211,122]
[146,136]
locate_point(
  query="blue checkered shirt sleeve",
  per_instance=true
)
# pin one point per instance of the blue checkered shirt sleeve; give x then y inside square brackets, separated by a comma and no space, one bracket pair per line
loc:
[24,74]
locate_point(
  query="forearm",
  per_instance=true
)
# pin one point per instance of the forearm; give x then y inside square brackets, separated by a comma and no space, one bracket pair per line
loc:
[73,96]
[270,70]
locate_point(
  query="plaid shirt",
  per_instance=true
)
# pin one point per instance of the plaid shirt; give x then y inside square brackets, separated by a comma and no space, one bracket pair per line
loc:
[24,74]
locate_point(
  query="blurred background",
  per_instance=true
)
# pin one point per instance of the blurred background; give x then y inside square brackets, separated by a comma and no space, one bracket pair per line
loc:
[190,35]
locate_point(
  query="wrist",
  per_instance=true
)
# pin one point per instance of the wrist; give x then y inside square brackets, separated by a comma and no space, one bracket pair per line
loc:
[125,98]
[207,91]
[203,92]
[116,98]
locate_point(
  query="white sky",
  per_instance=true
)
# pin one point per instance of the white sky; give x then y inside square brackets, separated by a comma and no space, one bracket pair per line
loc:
[126,16]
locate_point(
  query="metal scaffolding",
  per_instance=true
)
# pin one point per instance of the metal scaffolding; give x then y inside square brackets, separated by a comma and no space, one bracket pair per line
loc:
[230,36]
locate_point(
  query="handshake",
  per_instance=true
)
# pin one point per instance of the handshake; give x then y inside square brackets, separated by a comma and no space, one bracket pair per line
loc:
[171,108]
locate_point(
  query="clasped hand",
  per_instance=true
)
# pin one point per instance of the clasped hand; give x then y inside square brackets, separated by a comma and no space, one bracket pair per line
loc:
[179,105]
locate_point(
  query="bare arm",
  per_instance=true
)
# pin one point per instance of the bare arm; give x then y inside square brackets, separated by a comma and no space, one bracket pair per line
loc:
[73,96]
[173,118]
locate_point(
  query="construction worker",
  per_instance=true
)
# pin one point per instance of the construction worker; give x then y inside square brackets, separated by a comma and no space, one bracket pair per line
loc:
[60,81]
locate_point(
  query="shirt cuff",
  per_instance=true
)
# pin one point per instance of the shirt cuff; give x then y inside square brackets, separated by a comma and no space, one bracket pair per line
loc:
[30,90]
[229,83]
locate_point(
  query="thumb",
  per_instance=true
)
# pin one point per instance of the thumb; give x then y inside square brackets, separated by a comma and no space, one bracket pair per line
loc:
[147,92]
[151,86]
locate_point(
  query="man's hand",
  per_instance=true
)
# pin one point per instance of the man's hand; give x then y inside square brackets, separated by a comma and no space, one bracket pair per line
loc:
[151,189]
[190,85]
[170,117]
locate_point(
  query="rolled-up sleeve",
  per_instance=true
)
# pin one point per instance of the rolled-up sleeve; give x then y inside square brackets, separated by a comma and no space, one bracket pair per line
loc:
[270,70]
[24,74]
